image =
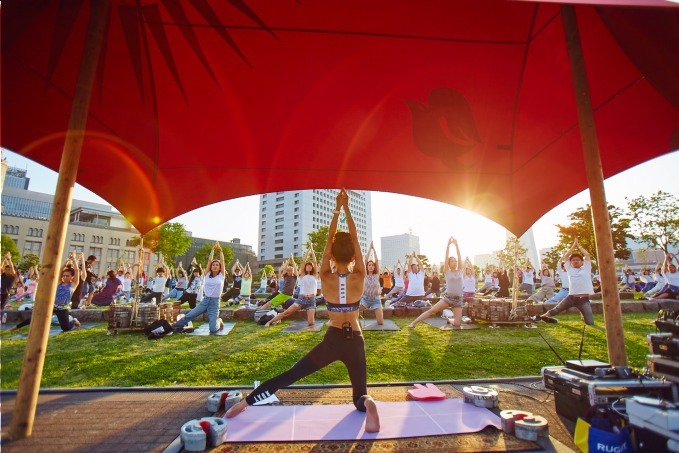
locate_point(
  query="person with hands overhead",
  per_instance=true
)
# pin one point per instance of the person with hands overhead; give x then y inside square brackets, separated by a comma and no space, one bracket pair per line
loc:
[288,272]
[307,293]
[343,340]
[671,289]
[371,294]
[245,286]
[234,291]
[212,289]
[579,269]
[194,285]
[453,295]
[7,279]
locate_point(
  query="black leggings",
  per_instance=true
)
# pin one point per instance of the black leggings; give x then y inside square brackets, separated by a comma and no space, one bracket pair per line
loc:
[62,315]
[190,298]
[333,347]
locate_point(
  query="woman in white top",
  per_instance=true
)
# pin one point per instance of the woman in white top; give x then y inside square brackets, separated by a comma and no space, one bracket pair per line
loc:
[212,291]
[31,285]
[307,291]
[546,290]
[468,284]
[659,278]
[453,295]
[487,282]
[671,289]
[527,283]
[399,284]
[579,268]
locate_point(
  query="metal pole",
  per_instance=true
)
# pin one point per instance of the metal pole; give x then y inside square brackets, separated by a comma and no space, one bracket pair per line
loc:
[34,357]
[615,334]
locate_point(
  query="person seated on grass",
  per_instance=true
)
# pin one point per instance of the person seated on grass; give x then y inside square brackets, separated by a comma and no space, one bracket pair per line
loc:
[546,290]
[399,283]
[158,288]
[454,293]
[527,284]
[343,340]
[671,289]
[288,272]
[487,281]
[7,279]
[194,285]
[579,268]
[435,287]
[180,284]
[563,292]
[263,283]
[70,278]
[245,287]
[503,283]
[371,294]
[31,285]
[630,281]
[307,294]
[494,285]
[386,281]
[212,290]
[234,291]
[659,278]
[468,285]
[105,297]
[647,279]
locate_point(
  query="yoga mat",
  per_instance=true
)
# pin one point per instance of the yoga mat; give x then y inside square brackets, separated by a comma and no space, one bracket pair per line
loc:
[53,332]
[371,324]
[441,324]
[344,422]
[303,326]
[204,330]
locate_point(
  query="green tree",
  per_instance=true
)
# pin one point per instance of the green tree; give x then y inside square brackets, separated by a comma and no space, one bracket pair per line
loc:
[266,270]
[8,245]
[203,253]
[582,228]
[318,239]
[512,253]
[28,261]
[655,220]
[551,258]
[169,239]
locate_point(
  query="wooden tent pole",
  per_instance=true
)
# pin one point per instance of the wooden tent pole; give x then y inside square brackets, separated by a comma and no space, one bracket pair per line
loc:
[34,356]
[615,335]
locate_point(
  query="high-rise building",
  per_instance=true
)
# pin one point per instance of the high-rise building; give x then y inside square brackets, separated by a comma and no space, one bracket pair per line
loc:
[286,218]
[396,248]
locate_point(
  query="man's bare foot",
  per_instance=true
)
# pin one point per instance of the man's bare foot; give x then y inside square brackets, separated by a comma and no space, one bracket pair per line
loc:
[372,418]
[237,408]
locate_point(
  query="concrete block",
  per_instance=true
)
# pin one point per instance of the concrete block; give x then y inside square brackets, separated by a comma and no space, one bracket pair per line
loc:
[650,305]
[632,307]
[668,304]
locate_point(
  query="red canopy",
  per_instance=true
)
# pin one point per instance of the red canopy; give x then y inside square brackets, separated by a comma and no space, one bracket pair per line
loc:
[466,102]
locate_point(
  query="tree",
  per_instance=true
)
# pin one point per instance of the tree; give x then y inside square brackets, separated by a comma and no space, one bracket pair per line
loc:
[29,261]
[551,258]
[203,253]
[8,245]
[506,256]
[318,239]
[169,239]
[266,270]
[582,228]
[655,220]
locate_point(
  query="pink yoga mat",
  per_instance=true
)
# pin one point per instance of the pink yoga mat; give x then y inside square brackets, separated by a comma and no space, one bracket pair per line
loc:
[344,422]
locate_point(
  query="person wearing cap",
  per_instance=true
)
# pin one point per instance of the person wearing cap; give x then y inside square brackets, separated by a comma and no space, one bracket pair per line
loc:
[579,268]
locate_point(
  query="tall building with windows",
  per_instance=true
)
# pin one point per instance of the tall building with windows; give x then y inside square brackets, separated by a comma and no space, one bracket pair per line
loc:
[396,248]
[286,218]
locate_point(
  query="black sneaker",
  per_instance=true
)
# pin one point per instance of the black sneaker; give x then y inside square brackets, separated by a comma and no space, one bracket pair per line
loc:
[549,319]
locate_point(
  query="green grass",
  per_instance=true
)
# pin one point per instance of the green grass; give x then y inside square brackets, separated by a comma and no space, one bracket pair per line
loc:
[90,358]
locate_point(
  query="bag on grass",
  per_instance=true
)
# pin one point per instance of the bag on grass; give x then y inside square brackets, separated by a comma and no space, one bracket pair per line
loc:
[158,329]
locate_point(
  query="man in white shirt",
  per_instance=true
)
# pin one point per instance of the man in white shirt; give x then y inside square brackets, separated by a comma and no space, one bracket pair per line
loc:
[579,269]
[415,289]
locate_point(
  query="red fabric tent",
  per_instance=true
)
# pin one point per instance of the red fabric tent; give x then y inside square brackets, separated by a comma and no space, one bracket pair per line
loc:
[466,102]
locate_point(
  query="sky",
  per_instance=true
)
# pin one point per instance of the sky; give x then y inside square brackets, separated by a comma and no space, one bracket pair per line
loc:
[433,222]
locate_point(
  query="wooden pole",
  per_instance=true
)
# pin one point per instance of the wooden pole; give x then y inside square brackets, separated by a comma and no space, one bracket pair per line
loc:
[615,335]
[34,356]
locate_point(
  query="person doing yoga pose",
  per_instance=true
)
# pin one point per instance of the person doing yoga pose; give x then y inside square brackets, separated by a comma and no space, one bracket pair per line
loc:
[343,340]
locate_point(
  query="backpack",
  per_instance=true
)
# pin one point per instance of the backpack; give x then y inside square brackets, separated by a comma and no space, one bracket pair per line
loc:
[158,329]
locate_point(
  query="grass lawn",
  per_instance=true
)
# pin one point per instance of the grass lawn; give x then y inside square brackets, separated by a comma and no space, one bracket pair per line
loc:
[90,358]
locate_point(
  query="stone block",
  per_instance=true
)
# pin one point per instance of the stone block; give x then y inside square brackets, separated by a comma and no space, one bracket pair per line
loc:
[632,307]
[650,305]
[668,304]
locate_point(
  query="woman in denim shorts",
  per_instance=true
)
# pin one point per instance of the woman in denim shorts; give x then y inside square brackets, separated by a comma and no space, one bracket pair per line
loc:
[307,291]
[371,294]
[453,295]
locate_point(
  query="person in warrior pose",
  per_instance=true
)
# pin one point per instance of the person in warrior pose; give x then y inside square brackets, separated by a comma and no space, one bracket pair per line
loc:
[343,340]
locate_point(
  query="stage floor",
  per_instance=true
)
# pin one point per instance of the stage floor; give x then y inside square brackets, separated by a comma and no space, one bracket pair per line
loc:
[148,420]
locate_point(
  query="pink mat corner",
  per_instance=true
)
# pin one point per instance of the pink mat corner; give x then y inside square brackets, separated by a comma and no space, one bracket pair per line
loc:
[344,422]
